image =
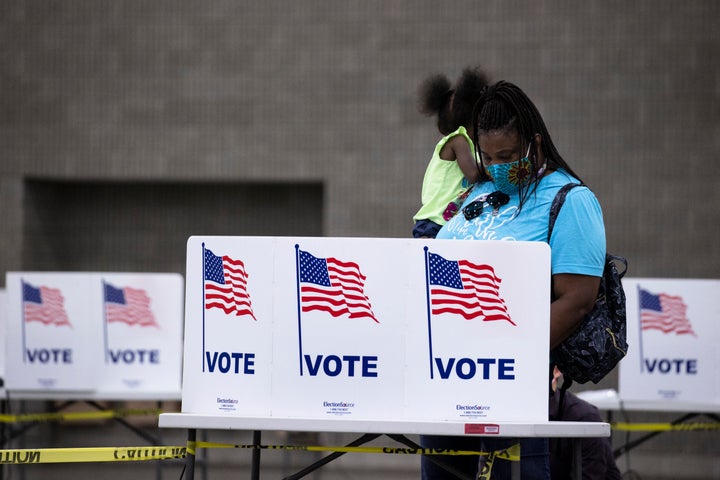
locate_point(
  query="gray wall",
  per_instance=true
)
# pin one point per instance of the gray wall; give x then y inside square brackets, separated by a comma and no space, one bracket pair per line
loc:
[126,126]
[323,92]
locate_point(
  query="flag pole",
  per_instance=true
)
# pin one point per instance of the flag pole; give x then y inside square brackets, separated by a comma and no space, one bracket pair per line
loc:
[642,359]
[203,306]
[22,294]
[429,315]
[105,333]
[297,287]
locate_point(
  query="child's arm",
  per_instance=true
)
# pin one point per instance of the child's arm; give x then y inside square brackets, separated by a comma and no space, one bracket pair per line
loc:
[457,149]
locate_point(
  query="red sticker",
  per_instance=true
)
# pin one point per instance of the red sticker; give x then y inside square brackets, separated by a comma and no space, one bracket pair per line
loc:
[482,428]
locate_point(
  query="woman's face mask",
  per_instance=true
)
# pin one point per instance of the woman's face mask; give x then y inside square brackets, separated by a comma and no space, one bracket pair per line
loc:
[509,176]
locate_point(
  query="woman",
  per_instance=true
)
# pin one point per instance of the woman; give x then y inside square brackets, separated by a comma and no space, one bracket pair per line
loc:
[521,173]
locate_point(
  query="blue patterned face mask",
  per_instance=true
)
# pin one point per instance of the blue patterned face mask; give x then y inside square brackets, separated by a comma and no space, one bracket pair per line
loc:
[509,176]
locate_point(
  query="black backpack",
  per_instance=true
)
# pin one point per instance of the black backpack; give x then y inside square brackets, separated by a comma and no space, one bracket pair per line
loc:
[600,341]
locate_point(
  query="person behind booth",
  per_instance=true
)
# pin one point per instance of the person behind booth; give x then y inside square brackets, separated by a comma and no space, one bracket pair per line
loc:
[520,175]
[453,167]
[598,461]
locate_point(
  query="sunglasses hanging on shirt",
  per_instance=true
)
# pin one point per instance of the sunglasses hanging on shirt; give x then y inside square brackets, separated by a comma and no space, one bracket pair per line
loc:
[495,200]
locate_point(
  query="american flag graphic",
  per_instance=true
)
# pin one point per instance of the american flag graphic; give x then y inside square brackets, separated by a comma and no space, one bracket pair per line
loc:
[45,305]
[333,286]
[128,305]
[466,289]
[663,312]
[226,285]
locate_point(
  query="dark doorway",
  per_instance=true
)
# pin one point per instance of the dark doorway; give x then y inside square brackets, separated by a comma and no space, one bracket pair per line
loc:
[144,226]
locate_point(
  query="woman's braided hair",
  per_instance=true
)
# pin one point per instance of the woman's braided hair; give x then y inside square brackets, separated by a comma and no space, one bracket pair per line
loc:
[505,107]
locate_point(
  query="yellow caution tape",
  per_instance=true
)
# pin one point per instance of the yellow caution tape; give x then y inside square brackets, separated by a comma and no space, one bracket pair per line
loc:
[512,453]
[93,415]
[132,454]
[92,454]
[486,465]
[123,454]
[663,427]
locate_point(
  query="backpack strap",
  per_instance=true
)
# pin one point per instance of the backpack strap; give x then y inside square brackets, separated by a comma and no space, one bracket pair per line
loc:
[618,260]
[554,210]
[557,203]
[567,383]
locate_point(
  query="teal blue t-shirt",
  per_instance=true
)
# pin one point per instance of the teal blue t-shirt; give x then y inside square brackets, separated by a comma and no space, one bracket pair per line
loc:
[578,239]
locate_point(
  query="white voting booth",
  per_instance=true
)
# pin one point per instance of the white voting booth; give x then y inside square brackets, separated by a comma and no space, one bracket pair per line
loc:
[672,361]
[397,336]
[672,358]
[87,335]
[3,336]
[675,332]
[92,336]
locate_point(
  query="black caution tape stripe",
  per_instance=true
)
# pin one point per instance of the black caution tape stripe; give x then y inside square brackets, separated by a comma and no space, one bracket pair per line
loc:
[94,415]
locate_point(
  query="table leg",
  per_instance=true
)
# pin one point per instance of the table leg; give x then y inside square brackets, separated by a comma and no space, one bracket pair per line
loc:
[576,466]
[367,437]
[515,470]
[437,460]
[630,445]
[255,475]
[190,455]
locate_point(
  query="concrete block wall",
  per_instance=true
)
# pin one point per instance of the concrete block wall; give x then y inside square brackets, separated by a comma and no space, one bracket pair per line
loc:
[325,92]
[271,97]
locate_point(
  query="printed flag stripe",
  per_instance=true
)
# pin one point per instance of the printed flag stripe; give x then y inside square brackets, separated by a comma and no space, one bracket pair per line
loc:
[128,305]
[333,286]
[666,327]
[226,285]
[338,306]
[470,310]
[666,313]
[466,289]
[45,305]
[479,271]
[229,295]
[442,297]
[45,314]
[321,293]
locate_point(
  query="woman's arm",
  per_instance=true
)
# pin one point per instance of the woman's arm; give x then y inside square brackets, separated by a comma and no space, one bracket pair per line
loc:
[574,298]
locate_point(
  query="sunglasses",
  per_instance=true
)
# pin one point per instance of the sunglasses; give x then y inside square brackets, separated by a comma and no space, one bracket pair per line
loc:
[495,200]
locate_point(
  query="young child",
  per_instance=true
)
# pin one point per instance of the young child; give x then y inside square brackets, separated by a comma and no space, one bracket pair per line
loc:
[453,167]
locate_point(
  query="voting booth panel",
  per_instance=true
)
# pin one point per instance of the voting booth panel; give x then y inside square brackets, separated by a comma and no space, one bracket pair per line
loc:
[3,333]
[673,334]
[50,332]
[366,329]
[97,335]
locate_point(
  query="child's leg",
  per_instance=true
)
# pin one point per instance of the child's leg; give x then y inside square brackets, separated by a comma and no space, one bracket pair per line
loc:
[426,229]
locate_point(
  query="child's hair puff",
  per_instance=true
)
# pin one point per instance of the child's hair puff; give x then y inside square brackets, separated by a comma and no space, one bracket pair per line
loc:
[468,89]
[434,97]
